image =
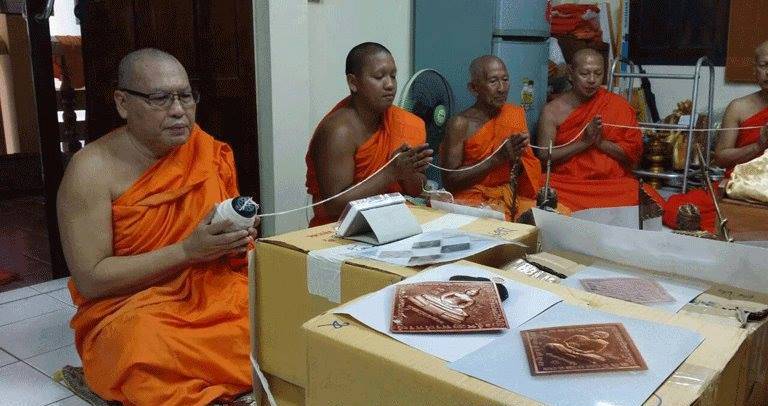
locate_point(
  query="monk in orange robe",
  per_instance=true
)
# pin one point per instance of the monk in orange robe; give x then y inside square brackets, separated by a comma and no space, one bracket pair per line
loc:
[474,134]
[361,134]
[595,170]
[737,147]
[162,293]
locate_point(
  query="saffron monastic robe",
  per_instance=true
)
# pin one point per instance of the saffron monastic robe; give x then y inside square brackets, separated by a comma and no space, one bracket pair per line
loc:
[593,178]
[494,189]
[752,136]
[183,341]
[398,127]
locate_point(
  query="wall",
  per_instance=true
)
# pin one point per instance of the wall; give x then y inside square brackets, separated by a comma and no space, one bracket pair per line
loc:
[63,21]
[300,52]
[671,91]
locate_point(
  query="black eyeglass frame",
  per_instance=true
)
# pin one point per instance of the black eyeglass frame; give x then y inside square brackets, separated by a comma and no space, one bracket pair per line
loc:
[174,95]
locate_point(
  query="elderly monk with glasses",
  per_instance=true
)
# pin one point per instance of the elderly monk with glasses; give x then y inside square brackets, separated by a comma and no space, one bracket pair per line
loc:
[161,291]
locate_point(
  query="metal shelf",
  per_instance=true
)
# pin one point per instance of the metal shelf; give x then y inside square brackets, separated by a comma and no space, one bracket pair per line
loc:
[695,77]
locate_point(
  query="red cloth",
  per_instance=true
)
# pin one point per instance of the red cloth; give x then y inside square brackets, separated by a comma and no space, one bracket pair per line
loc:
[398,127]
[72,53]
[752,136]
[593,178]
[184,341]
[698,197]
[568,19]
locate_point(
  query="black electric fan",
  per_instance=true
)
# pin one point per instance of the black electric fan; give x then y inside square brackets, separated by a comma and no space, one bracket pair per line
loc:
[428,95]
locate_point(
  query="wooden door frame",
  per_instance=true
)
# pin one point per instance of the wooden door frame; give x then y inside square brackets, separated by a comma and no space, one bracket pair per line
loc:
[39,36]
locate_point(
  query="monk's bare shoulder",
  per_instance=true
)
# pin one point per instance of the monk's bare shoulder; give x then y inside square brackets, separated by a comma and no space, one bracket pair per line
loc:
[457,127]
[338,131]
[556,111]
[741,108]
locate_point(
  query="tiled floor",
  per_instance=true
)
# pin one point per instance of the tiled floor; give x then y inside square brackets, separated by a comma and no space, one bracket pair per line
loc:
[35,342]
[24,247]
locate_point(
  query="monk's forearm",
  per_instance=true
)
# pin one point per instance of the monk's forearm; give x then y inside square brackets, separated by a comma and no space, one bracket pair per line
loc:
[458,181]
[730,157]
[120,275]
[561,154]
[614,151]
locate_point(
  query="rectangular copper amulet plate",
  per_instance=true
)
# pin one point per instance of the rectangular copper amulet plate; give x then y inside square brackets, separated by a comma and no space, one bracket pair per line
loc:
[581,348]
[447,307]
[636,290]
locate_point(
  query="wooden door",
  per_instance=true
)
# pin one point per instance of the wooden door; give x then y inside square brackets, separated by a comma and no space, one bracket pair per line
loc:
[214,42]
[39,37]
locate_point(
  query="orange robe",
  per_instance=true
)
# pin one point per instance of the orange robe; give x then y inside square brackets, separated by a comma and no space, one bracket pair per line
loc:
[184,341]
[752,136]
[494,189]
[593,178]
[398,127]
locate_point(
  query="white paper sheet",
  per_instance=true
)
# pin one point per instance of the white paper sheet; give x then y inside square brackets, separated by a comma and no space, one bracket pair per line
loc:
[324,266]
[682,292]
[524,302]
[504,363]
[738,265]
[624,216]
[406,253]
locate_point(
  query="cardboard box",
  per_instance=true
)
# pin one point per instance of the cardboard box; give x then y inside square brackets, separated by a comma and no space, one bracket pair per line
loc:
[350,364]
[745,380]
[285,393]
[283,303]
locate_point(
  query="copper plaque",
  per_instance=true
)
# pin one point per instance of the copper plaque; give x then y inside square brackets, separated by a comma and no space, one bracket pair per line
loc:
[637,290]
[447,307]
[583,348]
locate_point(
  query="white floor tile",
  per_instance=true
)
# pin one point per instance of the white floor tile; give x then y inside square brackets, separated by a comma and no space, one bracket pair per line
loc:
[17,294]
[6,358]
[30,337]
[18,310]
[22,385]
[50,286]
[70,401]
[62,295]
[52,361]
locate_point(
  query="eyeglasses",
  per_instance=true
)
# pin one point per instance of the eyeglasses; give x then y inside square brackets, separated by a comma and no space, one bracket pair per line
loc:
[165,99]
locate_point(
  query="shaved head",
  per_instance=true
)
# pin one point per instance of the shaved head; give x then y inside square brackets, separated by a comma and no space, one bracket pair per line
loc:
[357,56]
[583,55]
[761,50]
[132,65]
[478,67]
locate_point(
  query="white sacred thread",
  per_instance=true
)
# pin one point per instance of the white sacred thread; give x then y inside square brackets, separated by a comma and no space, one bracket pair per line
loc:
[349,189]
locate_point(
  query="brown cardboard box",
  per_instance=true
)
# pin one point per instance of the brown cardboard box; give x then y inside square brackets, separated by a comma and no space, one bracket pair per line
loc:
[285,393]
[283,303]
[350,364]
[745,381]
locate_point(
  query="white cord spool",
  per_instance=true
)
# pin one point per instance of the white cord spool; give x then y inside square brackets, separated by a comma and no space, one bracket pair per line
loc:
[241,211]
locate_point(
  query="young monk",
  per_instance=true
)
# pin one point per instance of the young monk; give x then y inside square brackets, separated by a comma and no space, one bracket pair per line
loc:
[594,170]
[474,134]
[361,134]
[162,293]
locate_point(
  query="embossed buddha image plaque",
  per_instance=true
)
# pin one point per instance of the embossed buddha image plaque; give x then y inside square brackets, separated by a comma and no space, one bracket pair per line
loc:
[636,290]
[447,307]
[581,348]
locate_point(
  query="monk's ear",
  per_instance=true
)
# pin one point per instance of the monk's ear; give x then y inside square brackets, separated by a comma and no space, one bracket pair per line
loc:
[471,88]
[120,102]
[352,82]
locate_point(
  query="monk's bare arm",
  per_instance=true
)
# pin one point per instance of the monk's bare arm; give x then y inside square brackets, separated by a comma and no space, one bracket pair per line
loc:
[727,155]
[614,151]
[334,157]
[85,222]
[452,155]
[547,131]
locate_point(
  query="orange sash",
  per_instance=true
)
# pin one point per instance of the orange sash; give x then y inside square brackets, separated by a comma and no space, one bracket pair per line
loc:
[494,190]
[184,341]
[398,127]
[593,178]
